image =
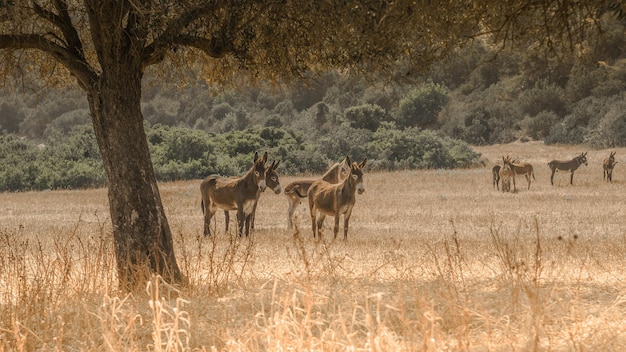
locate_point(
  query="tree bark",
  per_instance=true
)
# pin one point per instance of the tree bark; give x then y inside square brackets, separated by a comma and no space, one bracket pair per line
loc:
[143,240]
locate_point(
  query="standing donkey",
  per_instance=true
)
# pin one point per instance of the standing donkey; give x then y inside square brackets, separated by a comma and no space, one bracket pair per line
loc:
[335,199]
[297,190]
[272,182]
[522,168]
[239,194]
[506,174]
[569,165]
[608,165]
[495,172]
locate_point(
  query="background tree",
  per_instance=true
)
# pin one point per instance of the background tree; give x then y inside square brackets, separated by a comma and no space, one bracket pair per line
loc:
[107,46]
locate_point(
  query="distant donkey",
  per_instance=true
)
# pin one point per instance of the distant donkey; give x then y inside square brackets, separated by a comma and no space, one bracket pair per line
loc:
[506,174]
[495,172]
[569,165]
[608,165]
[522,168]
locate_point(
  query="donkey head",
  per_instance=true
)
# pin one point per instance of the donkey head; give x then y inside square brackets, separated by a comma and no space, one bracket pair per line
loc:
[356,174]
[259,171]
[582,158]
[612,159]
[271,177]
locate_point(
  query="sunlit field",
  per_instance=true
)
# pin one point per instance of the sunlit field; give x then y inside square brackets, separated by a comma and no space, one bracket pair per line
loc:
[435,260]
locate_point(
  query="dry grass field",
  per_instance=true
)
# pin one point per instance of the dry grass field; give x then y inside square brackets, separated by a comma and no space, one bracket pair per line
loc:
[435,260]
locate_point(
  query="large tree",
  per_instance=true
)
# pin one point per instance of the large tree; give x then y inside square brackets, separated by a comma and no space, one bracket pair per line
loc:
[107,46]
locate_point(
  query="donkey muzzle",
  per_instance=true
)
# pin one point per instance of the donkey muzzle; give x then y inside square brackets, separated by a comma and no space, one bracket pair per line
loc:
[262,186]
[360,188]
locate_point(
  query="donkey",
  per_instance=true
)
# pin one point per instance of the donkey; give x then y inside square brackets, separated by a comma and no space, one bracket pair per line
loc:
[525,169]
[608,165]
[506,174]
[297,190]
[569,165]
[272,181]
[239,194]
[335,199]
[495,172]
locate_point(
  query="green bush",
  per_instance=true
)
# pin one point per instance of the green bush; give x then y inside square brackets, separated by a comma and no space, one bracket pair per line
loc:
[344,140]
[539,127]
[420,107]
[611,131]
[546,97]
[414,148]
[366,116]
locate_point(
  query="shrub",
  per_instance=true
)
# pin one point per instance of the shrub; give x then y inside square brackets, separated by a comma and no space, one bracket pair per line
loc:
[366,116]
[547,97]
[538,127]
[414,148]
[421,106]
[611,131]
[344,140]
[219,111]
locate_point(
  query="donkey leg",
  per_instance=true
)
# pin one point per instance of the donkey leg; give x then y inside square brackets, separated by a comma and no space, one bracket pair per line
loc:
[226,219]
[207,217]
[207,222]
[346,222]
[241,219]
[248,223]
[571,178]
[528,179]
[293,204]
[552,177]
[320,223]
[252,216]
[336,228]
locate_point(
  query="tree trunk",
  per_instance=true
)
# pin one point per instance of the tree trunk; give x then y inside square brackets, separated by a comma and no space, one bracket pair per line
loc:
[142,236]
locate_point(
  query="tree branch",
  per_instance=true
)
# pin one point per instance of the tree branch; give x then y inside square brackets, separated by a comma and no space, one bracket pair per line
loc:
[62,21]
[68,58]
[155,52]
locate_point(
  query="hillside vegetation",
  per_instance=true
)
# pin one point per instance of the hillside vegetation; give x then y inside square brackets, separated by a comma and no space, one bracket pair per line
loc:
[481,95]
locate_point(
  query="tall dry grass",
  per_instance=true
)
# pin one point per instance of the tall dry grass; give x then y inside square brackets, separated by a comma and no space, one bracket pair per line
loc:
[435,260]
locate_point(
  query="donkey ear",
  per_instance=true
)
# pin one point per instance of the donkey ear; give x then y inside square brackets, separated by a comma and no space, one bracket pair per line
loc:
[265,157]
[348,160]
[256,156]
[362,164]
[275,164]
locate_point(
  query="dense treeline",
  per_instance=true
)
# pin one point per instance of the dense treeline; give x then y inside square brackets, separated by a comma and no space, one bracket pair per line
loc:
[70,159]
[479,96]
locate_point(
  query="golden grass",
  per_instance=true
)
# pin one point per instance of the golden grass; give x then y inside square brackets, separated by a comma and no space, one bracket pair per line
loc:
[435,260]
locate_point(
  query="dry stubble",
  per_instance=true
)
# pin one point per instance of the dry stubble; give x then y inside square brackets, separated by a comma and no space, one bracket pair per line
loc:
[434,260]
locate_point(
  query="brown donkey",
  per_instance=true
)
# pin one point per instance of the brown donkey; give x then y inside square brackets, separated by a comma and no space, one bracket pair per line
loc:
[239,194]
[525,169]
[608,165]
[272,182]
[569,165]
[335,199]
[297,190]
[506,174]
[495,172]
